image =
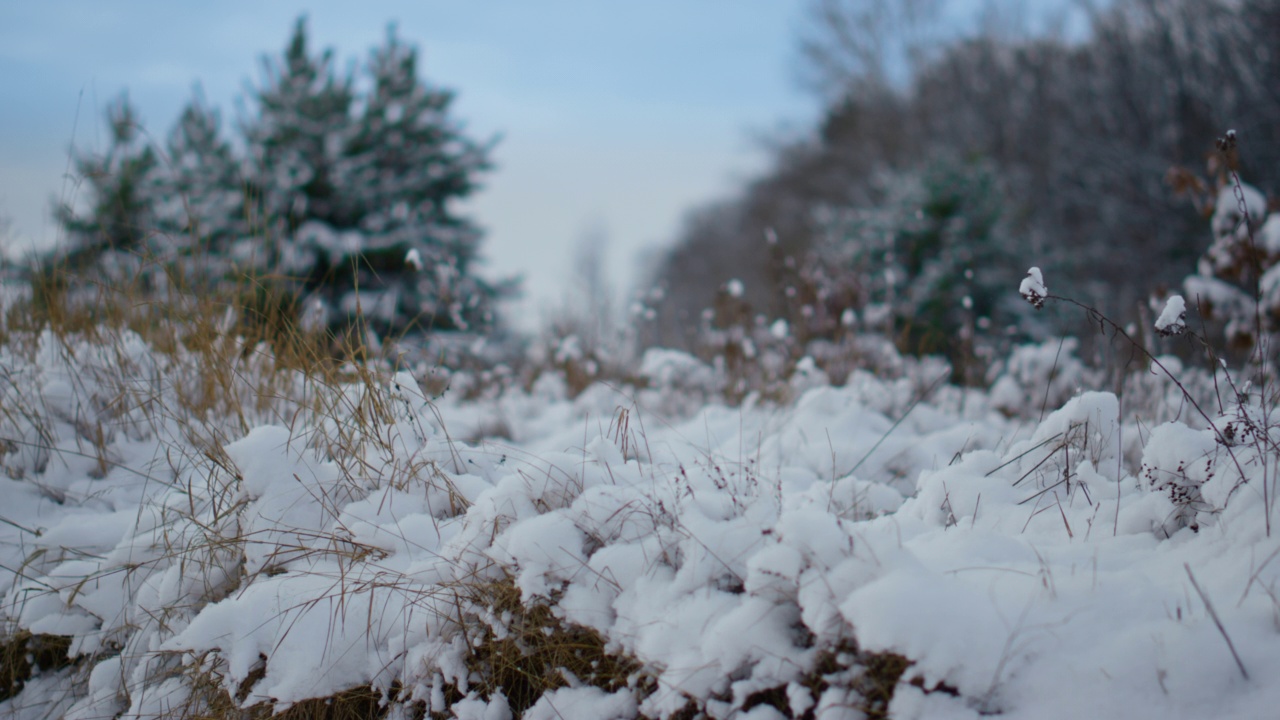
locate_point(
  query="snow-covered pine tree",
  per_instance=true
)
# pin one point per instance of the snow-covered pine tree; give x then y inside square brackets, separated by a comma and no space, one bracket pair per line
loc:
[202,207]
[409,163]
[119,187]
[345,201]
[928,260]
[952,257]
[356,194]
[296,145]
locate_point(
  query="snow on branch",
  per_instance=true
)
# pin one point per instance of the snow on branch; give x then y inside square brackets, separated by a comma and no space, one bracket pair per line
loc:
[1033,289]
[1173,319]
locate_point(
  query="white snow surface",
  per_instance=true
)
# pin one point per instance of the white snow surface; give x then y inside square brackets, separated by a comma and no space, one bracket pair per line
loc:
[1030,570]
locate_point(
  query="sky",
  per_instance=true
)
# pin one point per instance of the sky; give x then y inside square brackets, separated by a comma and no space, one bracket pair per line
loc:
[614,119]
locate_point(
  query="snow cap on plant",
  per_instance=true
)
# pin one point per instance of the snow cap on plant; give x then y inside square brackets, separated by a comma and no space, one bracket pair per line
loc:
[1032,288]
[1173,319]
[413,259]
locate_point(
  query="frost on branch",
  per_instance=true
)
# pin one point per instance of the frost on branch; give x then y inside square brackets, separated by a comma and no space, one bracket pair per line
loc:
[1032,288]
[1173,319]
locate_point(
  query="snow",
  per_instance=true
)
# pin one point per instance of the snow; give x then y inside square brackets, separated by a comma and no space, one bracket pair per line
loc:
[1028,563]
[414,259]
[587,702]
[1269,234]
[1039,377]
[1173,318]
[1208,289]
[1227,221]
[1032,288]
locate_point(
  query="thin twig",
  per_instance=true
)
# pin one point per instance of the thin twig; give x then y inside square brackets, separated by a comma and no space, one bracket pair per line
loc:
[1044,402]
[1033,497]
[1254,577]
[1115,328]
[1216,621]
[24,529]
[1115,528]
[896,423]
[1063,513]
[1023,454]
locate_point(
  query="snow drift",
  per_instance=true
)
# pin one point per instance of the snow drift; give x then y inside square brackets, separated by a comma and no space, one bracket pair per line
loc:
[884,547]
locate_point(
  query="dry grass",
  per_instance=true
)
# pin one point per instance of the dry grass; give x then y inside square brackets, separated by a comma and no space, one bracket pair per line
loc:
[23,654]
[223,363]
[210,368]
[229,356]
[219,364]
[524,650]
[868,681]
[195,371]
[516,649]
[209,700]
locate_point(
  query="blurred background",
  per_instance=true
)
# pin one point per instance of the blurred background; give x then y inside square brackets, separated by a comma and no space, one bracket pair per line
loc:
[611,120]
[687,174]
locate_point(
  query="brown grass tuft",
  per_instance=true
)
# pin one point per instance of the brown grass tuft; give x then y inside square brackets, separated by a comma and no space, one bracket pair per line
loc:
[524,650]
[24,654]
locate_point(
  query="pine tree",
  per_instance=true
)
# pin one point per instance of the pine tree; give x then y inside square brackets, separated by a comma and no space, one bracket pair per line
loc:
[121,189]
[202,206]
[953,262]
[344,201]
[296,144]
[363,204]
[409,163]
[928,259]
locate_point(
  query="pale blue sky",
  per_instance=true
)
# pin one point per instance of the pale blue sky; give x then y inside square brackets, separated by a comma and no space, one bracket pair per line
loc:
[618,116]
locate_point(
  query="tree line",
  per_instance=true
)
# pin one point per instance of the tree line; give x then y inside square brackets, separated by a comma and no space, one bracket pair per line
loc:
[942,167]
[341,196]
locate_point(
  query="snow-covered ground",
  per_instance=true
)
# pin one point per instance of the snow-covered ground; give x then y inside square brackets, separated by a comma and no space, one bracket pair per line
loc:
[760,561]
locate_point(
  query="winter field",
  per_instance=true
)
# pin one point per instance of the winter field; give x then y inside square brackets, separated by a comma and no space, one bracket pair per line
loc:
[272,448]
[196,529]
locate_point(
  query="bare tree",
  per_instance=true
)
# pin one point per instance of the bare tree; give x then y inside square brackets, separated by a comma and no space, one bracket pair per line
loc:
[853,46]
[1081,132]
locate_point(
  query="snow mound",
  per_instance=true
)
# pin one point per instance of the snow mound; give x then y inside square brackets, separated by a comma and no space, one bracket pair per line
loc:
[748,562]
